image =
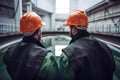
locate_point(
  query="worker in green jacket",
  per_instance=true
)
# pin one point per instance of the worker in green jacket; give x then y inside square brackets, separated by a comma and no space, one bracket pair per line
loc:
[85,58]
[29,60]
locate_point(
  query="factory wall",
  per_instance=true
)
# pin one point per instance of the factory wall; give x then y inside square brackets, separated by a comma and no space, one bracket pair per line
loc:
[47,5]
[105,20]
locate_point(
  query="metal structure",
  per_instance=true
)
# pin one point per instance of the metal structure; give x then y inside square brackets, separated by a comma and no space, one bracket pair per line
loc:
[12,10]
[104,17]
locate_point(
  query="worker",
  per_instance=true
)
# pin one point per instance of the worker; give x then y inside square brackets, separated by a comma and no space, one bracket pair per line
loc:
[29,60]
[85,58]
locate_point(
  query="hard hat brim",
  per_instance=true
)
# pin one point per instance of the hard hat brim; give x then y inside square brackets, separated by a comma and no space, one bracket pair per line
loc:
[66,25]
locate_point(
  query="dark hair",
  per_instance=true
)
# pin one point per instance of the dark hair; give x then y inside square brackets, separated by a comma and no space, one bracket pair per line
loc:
[79,30]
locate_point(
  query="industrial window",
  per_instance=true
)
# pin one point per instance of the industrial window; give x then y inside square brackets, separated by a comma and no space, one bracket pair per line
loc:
[58,49]
[62,6]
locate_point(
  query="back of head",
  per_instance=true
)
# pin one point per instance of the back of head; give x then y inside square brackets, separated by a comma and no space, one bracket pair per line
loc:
[78,19]
[30,22]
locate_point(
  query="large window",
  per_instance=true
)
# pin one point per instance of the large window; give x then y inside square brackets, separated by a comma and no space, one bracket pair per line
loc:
[62,6]
[58,49]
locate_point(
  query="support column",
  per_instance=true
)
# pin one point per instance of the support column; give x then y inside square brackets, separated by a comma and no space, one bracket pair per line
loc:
[29,6]
[17,13]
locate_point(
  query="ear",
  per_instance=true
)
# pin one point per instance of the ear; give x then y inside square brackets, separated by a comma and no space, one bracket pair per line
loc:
[39,32]
[74,31]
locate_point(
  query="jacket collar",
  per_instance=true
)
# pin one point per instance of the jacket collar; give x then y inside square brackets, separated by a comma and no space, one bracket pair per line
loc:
[81,34]
[30,39]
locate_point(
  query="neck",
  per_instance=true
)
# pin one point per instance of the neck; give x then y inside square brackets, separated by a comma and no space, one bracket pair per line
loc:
[30,39]
[81,34]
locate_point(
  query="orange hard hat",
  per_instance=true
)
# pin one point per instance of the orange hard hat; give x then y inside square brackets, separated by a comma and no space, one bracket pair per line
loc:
[77,18]
[29,22]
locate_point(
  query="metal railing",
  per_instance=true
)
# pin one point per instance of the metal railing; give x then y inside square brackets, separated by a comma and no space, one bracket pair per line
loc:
[12,28]
[104,29]
[8,28]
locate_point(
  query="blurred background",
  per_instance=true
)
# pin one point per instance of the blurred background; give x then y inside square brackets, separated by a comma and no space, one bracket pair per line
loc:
[104,15]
